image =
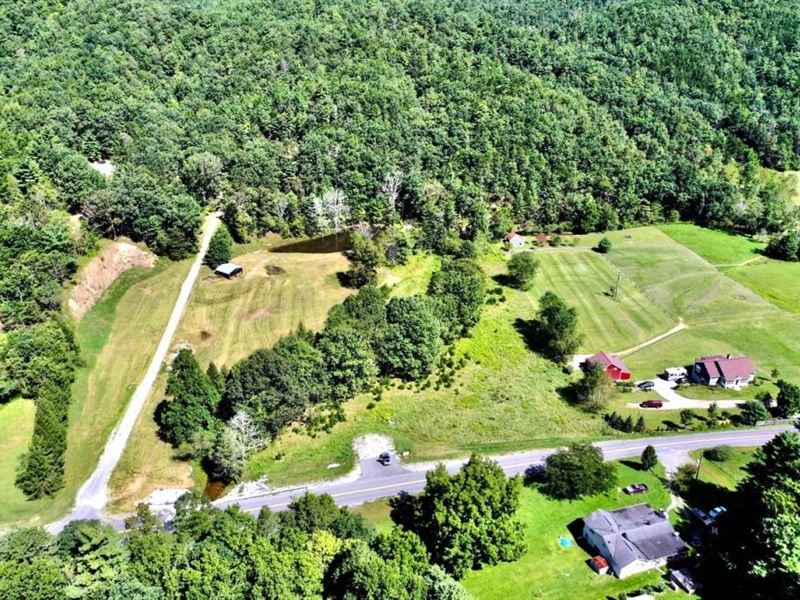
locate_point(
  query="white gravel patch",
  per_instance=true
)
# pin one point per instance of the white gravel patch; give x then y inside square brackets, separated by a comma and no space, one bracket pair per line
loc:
[366,447]
[370,446]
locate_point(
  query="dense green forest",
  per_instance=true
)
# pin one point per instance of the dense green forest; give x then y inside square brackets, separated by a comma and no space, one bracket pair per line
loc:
[469,117]
[302,115]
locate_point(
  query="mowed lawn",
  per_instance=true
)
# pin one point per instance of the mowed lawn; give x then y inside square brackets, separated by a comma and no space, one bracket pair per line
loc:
[547,570]
[16,429]
[722,314]
[117,338]
[550,572]
[586,280]
[739,258]
[720,248]
[225,321]
[727,473]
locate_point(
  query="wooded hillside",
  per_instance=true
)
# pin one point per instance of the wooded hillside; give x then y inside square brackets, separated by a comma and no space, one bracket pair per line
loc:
[559,112]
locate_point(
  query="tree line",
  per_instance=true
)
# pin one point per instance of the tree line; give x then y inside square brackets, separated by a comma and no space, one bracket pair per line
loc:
[221,417]
[314,549]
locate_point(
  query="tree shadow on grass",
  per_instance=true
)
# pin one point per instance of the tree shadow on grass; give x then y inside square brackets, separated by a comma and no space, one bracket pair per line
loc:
[632,464]
[527,329]
[504,280]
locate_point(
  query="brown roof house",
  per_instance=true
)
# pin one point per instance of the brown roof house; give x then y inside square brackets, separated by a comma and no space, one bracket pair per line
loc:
[632,539]
[730,372]
[514,240]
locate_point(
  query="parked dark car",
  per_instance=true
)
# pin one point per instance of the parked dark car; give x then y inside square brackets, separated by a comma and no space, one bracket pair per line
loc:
[636,488]
[651,404]
[385,458]
[646,385]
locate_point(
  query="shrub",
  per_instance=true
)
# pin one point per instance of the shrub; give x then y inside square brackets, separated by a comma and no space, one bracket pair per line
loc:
[604,246]
[719,453]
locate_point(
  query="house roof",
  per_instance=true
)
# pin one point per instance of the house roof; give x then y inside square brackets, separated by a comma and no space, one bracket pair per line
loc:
[633,533]
[727,367]
[511,235]
[227,269]
[608,360]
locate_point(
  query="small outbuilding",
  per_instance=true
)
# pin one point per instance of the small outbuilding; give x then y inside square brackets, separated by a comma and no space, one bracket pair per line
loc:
[612,365]
[228,270]
[683,579]
[599,565]
[514,240]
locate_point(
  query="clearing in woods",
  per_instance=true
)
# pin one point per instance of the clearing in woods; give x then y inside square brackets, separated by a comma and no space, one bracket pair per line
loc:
[225,321]
[506,396]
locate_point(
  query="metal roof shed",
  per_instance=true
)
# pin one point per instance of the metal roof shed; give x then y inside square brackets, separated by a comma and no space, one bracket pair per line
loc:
[228,270]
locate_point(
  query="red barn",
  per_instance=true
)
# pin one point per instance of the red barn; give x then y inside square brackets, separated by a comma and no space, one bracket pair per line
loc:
[611,364]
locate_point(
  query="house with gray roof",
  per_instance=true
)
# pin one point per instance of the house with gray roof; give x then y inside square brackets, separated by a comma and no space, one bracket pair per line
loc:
[632,539]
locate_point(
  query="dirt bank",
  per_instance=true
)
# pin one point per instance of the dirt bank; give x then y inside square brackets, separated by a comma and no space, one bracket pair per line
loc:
[102,271]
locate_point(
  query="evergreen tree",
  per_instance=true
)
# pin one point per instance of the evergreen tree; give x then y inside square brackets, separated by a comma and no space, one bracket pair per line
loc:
[640,426]
[753,412]
[649,458]
[788,400]
[219,247]
[194,401]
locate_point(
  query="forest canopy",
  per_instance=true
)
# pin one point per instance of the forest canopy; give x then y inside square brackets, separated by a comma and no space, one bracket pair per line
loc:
[302,116]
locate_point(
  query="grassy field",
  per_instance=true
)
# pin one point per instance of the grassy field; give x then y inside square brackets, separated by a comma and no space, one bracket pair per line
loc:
[506,398]
[586,279]
[225,321]
[728,473]
[720,248]
[547,570]
[738,257]
[16,429]
[722,315]
[117,338]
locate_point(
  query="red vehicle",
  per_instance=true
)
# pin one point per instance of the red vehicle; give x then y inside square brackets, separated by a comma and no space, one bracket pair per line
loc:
[652,404]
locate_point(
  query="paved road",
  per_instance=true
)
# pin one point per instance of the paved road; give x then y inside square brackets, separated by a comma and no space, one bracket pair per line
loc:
[93,494]
[378,482]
